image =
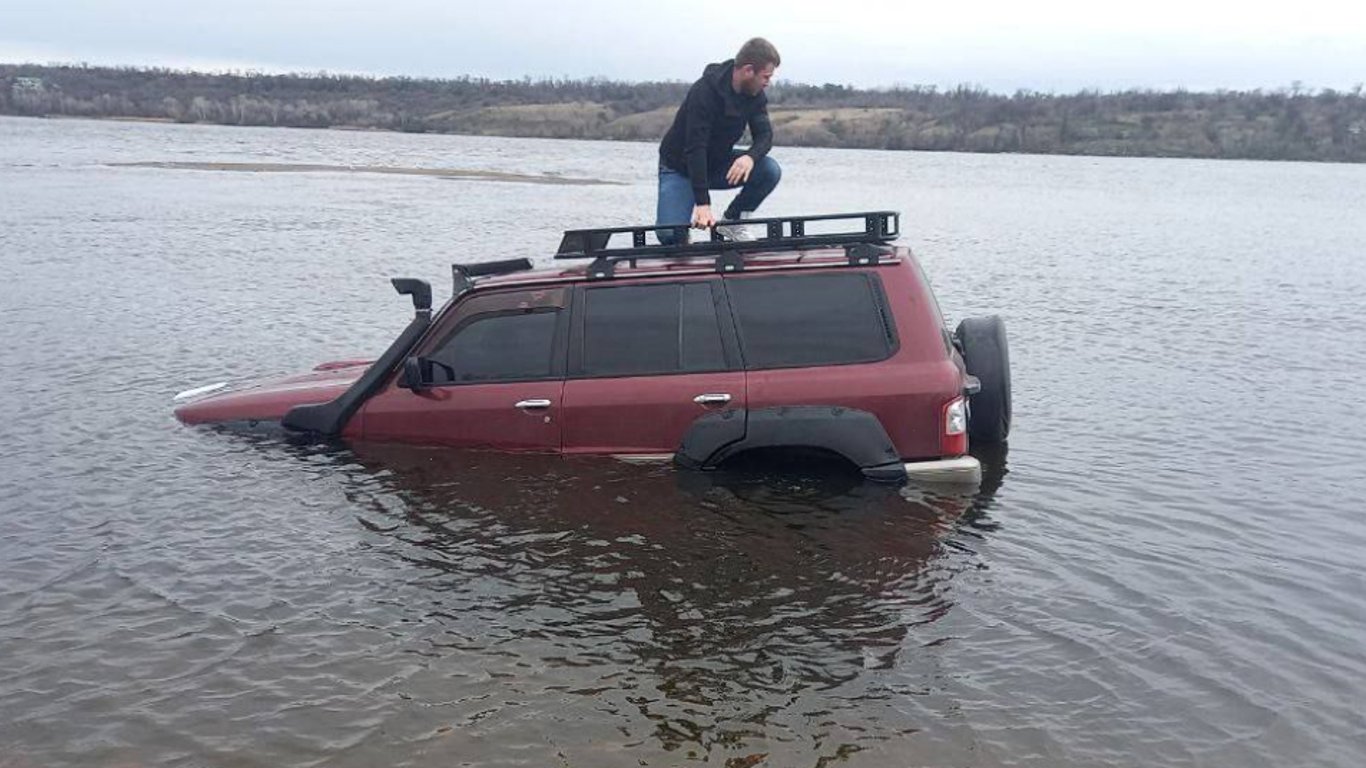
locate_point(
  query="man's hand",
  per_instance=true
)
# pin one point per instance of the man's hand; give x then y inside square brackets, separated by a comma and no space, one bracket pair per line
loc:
[702,218]
[740,170]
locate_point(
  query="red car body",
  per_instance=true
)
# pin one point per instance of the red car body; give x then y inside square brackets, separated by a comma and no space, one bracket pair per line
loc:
[916,389]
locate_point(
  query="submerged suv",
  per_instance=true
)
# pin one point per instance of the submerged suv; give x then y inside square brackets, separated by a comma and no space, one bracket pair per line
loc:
[694,353]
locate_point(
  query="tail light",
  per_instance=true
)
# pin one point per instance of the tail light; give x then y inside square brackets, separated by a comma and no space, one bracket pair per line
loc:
[953,437]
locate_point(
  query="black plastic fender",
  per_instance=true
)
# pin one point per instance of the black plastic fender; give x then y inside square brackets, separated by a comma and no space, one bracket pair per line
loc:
[856,435]
[708,436]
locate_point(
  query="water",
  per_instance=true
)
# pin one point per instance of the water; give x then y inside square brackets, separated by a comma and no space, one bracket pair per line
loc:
[1164,569]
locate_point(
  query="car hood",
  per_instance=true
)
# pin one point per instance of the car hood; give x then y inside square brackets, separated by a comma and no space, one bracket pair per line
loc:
[267,399]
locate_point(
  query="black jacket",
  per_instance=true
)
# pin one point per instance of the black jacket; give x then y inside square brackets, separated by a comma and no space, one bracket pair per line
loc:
[713,117]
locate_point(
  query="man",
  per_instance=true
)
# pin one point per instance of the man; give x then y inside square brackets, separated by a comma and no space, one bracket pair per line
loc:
[698,153]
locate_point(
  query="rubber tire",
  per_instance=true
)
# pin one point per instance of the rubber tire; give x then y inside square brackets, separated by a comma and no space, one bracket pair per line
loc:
[986,355]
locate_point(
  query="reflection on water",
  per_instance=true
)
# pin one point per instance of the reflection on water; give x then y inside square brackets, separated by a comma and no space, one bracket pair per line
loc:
[700,611]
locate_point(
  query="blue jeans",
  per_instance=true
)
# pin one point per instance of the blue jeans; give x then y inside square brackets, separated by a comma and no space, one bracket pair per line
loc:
[676,200]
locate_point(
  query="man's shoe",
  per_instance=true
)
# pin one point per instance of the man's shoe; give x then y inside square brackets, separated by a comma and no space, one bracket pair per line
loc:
[736,232]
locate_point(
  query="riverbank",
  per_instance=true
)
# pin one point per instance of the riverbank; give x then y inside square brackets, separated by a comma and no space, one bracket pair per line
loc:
[1284,124]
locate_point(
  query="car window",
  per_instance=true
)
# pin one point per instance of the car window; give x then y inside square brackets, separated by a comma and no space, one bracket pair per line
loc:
[651,329]
[513,345]
[701,340]
[799,320]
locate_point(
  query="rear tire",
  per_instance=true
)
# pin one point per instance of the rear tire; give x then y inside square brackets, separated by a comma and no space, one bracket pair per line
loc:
[983,343]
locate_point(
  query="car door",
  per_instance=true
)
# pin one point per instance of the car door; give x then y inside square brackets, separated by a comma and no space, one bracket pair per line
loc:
[493,373]
[646,361]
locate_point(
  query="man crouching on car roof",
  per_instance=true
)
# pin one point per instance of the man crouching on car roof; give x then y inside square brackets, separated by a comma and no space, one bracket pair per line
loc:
[698,153]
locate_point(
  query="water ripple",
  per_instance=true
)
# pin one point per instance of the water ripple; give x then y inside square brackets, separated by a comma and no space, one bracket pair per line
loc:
[1163,570]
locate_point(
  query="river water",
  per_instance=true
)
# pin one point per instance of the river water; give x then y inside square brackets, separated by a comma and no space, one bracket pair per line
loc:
[1165,568]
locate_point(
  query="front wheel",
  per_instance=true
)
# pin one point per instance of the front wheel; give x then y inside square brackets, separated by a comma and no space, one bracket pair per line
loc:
[983,343]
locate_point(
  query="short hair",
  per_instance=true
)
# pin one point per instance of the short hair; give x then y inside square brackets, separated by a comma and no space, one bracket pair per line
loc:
[759,52]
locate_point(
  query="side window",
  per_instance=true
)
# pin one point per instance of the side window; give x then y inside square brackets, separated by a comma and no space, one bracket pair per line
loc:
[701,344]
[788,321]
[510,345]
[638,330]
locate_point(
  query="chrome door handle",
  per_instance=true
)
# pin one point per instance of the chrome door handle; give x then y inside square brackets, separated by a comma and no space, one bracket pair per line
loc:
[531,405]
[719,399]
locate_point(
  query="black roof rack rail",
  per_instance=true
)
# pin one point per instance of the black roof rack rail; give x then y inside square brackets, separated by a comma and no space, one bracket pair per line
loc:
[872,228]
[859,241]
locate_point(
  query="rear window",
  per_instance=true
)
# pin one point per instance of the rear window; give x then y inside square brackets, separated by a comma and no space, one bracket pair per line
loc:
[789,321]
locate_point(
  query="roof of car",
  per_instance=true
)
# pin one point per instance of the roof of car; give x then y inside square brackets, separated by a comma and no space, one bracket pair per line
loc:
[778,260]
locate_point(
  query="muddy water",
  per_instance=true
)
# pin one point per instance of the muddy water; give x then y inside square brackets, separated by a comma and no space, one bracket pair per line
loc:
[1164,568]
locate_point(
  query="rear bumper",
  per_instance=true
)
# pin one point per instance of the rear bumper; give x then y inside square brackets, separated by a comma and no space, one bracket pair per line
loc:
[964,470]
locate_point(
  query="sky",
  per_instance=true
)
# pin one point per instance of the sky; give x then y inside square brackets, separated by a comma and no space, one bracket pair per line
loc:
[1044,45]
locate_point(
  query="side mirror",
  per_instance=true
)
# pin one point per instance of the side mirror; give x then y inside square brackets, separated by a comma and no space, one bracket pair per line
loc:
[412,375]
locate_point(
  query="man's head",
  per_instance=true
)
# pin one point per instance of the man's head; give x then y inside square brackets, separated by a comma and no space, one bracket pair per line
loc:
[754,66]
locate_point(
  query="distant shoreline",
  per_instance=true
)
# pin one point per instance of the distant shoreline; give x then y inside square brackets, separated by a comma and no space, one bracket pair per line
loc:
[1287,124]
[538,179]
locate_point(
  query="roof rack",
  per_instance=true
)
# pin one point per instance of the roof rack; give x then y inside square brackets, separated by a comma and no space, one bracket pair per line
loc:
[860,243]
[859,240]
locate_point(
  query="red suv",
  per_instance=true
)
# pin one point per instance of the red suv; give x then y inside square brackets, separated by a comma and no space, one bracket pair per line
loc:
[695,352]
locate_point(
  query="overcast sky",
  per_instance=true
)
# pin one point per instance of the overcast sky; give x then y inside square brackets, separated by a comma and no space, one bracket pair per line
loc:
[1048,45]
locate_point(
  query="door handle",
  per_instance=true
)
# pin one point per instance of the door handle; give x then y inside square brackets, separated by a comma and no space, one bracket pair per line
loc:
[533,405]
[717,399]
